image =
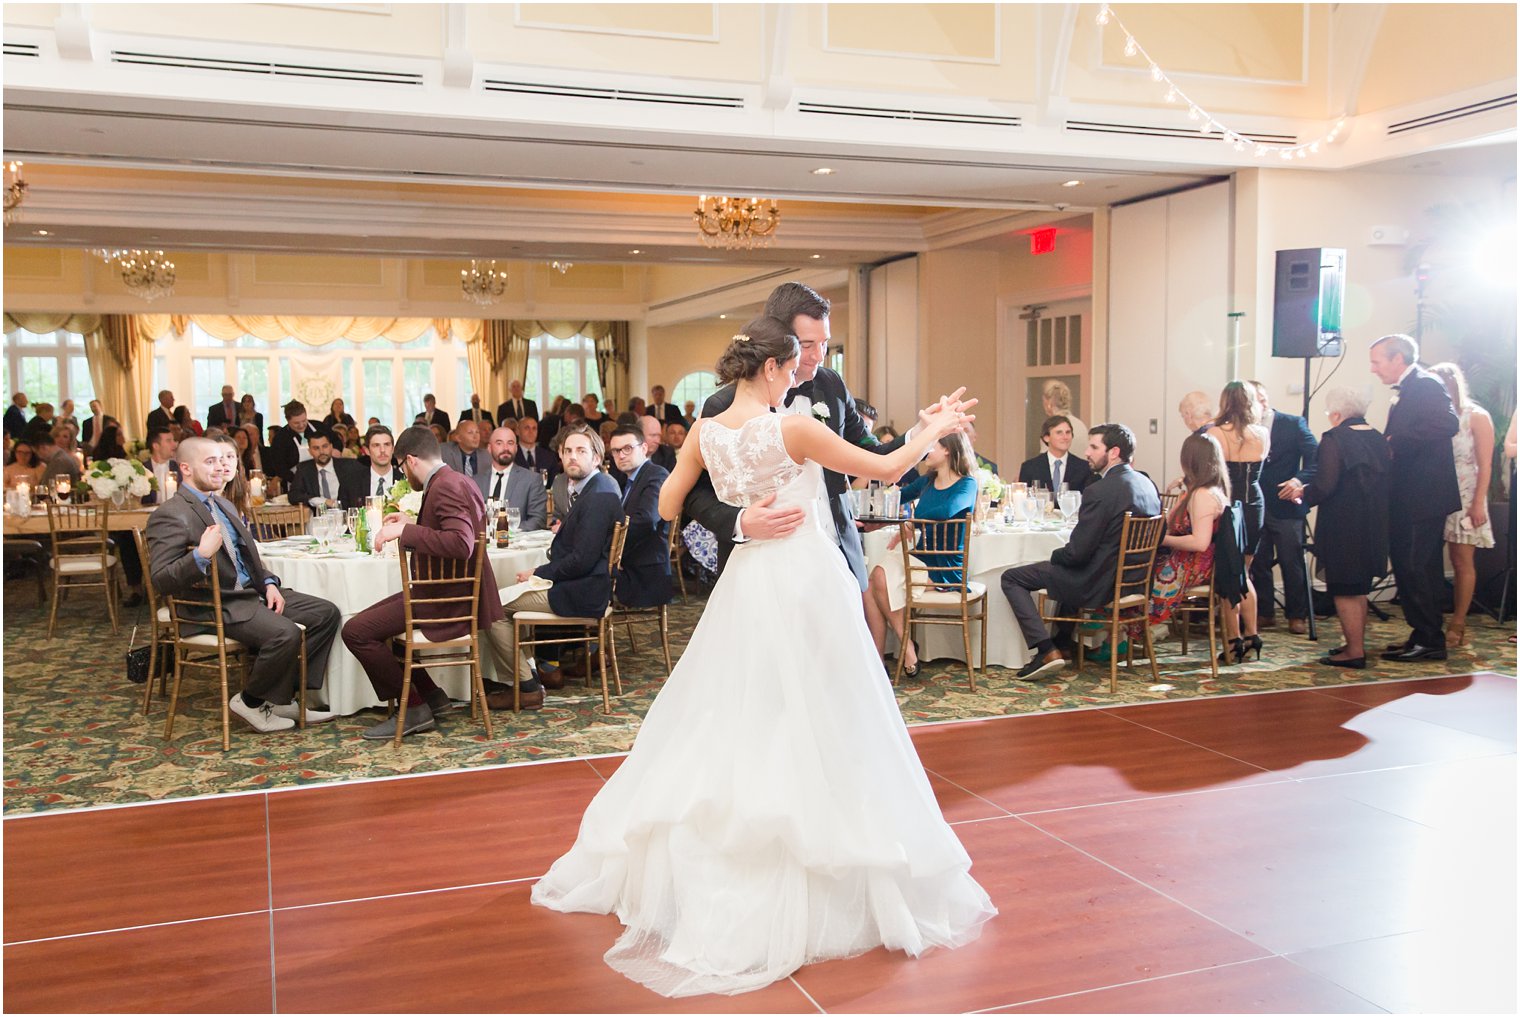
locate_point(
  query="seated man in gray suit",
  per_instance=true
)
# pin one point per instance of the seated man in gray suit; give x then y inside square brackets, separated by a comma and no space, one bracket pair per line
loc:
[1081,574]
[464,454]
[196,525]
[512,485]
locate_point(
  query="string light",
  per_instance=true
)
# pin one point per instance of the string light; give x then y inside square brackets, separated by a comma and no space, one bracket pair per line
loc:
[1132,48]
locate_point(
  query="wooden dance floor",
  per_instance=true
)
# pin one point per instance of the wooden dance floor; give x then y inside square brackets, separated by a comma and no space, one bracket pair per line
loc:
[1346,849]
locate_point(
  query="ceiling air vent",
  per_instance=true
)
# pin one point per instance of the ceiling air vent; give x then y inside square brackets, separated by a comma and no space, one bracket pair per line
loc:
[1147,131]
[893,113]
[1448,115]
[265,67]
[28,49]
[613,94]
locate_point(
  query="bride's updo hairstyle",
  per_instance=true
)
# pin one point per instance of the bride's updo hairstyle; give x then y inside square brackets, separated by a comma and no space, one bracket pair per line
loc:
[761,340]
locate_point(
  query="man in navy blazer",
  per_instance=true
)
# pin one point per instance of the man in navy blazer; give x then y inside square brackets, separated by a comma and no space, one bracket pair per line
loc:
[643,580]
[1421,424]
[1293,455]
[577,564]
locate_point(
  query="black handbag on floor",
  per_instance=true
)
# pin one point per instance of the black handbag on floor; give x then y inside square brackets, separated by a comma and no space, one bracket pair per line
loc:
[138,658]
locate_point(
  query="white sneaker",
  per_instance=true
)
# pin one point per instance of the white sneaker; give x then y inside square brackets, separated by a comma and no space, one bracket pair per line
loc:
[260,718]
[292,711]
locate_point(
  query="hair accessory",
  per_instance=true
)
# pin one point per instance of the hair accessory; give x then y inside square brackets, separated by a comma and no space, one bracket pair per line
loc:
[741,338]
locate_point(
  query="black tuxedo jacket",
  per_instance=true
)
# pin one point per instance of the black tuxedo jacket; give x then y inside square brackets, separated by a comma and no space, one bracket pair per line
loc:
[829,391]
[360,484]
[1083,575]
[159,420]
[1420,427]
[284,455]
[486,421]
[548,427]
[507,411]
[438,417]
[153,497]
[644,579]
[1074,476]
[304,485]
[543,459]
[664,457]
[216,415]
[669,413]
[577,562]
[1293,454]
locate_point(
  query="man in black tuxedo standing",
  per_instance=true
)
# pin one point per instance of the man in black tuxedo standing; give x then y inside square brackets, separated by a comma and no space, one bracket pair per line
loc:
[821,393]
[1293,455]
[1056,465]
[163,415]
[431,414]
[665,413]
[225,413]
[1080,575]
[1421,424]
[288,448]
[516,407]
[480,417]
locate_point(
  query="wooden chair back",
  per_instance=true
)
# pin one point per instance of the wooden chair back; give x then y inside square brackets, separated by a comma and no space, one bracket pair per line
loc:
[1169,503]
[1138,541]
[441,591]
[674,549]
[80,531]
[274,522]
[945,546]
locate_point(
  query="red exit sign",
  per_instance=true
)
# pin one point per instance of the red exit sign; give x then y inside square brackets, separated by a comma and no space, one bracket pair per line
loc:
[1042,241]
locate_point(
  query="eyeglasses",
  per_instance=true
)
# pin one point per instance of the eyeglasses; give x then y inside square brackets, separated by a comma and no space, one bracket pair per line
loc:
[622,449]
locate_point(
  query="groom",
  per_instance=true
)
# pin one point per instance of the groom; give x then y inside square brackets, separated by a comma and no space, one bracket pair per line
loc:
[821,393]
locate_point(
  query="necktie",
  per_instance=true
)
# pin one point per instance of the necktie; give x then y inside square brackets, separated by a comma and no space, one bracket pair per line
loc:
[228,544]
[528,456]
[574,495]
[380,485]
[1055,474]
[469,465]
[322,479]
[805,389]
[501,480]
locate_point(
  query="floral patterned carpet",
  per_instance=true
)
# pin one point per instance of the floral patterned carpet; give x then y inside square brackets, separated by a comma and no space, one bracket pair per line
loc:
[75,735]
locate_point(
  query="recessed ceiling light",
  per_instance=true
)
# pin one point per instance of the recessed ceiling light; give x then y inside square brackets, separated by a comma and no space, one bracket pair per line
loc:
[817,256]
[39,233]
[723,316]
[635,251]
[823,171]
[1072,183]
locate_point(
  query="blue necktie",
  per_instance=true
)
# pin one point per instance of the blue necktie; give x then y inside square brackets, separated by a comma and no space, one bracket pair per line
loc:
[1055,475]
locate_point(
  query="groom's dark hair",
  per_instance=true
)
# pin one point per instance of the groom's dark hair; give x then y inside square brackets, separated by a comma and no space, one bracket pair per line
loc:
[417,440]
[789,300]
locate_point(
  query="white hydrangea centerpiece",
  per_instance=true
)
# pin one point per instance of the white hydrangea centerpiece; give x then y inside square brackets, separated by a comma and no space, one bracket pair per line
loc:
[109,477]
[989,483]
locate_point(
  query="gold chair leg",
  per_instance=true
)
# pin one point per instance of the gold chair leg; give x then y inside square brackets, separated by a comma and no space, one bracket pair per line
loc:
[406,693]
[226,695]
[902,644]
[152,669]
[517,662]
[53,612]
[984,641]
[966,642]
[478,685]
[665,637]
[301,690]
[602,657]
[1213,653]
[110,592]
[179,672]
[633,646]
[1113,655]
[617,670]
[1150,648]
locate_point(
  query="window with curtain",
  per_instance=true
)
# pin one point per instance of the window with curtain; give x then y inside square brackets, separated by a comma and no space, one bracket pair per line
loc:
[695,387]
[561,367]
[49,367]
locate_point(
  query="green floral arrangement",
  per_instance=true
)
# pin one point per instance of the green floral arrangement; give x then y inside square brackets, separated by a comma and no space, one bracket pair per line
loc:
[990,483]
[401,498]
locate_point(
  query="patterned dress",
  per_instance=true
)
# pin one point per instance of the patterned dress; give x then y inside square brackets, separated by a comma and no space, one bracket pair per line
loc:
[1463,449]
[1177,571]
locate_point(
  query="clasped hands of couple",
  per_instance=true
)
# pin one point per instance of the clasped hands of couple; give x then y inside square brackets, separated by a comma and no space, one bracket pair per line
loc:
[764,520]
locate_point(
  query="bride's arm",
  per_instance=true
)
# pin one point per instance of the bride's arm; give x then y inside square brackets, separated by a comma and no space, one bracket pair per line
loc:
[689,467]
[807,438]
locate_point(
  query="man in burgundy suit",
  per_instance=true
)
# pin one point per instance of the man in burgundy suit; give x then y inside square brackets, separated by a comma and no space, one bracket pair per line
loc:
[452,518]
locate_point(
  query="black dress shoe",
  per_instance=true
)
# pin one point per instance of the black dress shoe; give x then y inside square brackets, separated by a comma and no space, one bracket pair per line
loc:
[1355,663]
[135,600]
[1399,647]
[1039,665]
[1417,652]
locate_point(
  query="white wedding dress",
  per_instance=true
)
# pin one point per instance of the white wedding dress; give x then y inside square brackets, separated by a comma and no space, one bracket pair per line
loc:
[772,811]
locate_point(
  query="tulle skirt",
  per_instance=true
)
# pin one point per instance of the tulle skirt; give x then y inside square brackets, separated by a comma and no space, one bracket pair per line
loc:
[773,811]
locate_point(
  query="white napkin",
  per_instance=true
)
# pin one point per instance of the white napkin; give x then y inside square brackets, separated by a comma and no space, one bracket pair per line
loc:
[511,593]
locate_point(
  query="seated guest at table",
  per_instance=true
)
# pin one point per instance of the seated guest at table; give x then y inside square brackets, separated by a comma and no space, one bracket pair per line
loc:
[24,465]
[655,449]
[511,485]
[196,525]
[675,436]
[1080,575]
[868,414]
[1352,487]
[66,413]
[577,564]
[41,424]
[550,423]
[530,454]
[452,519]
[247,439]
[236,489]
[627,418]
[439,431]
[269,442]
[225,413]
[1197,412]
[637,406]
[290,445]
[188,423]
[1186,556]
[688,412]
[480,417]
[248,413]
[946,491]
[515,407]
[337,414]
[644,578]
[464,454]
[109,446]
[59,456]
[381,473]
[982,462]
[163,461]
[591,413]
[659,409]
[319,482]
[884,434]
[1056,465]
[605,428]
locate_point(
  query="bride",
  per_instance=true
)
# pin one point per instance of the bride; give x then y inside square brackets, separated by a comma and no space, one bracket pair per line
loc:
[772,811]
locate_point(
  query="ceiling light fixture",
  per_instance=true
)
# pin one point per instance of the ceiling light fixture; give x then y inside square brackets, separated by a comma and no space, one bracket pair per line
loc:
[736,223]
[15,191]
[146,274]
[635,251]
[815,257]
[1072,183]
[1234,139]
[823,171]
[482,283]
[39,233]
[562,266]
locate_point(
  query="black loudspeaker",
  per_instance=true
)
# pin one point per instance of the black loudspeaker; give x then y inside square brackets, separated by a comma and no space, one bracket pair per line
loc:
[1307,303]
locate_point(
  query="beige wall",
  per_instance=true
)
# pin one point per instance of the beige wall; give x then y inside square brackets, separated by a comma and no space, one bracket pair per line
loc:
[957,327]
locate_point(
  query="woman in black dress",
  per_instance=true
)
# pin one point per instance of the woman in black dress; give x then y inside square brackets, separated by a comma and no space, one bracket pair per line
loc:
[1351,534]
[1245,441]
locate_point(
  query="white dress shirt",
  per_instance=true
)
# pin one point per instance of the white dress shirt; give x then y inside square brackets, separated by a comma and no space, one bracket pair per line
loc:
[499,475]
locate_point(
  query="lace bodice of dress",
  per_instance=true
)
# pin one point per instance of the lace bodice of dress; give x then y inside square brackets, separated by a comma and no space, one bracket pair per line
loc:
[748,462]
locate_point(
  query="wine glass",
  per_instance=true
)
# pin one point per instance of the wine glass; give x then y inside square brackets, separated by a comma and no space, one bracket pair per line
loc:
[1031,508]
[1071,502]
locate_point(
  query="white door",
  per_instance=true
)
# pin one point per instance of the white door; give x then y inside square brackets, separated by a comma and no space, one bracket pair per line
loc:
[1039,343]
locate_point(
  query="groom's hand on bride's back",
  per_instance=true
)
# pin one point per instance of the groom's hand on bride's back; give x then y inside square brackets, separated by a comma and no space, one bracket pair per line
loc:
[765,520]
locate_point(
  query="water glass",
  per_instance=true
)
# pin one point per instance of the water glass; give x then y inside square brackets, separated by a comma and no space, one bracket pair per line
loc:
[1032,509]
[514,521]
[1071,502]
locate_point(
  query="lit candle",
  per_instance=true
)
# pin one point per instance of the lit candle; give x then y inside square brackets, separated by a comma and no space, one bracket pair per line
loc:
[255,486]
[61,485]
[79,458]
[170,485]
[25,490]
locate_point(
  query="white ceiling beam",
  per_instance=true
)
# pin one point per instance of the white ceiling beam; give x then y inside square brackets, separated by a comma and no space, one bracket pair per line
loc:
[1353,33]
[72,33]
[1057,27]
[458,61]
[778,77]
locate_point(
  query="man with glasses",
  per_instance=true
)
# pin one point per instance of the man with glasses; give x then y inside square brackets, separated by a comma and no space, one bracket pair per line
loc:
[644,578]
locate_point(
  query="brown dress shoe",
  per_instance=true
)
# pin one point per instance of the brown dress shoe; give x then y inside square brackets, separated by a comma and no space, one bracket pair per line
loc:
[503,700]
[551,677]
[1266,623]
[1298,626]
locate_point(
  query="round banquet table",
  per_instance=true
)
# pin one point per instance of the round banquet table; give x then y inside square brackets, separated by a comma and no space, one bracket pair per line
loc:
[992,552]
[354,583]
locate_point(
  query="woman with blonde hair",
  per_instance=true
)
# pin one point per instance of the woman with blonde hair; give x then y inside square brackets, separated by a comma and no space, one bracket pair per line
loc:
[1468,528]
[1239,431]
[1056,398]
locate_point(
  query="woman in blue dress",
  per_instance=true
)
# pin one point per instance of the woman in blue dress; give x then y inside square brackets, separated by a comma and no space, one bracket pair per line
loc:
[946,491]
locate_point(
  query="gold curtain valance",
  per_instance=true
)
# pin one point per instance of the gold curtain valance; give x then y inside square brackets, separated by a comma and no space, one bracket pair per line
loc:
[43,322]
[530,329]
[312,329]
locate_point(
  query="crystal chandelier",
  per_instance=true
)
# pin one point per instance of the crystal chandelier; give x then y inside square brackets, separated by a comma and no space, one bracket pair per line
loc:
[147,274]
[562,266]
[15,191]
[482,282]
[736,223]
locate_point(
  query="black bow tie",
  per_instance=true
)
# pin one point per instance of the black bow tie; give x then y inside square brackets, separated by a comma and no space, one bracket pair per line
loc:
[805,389]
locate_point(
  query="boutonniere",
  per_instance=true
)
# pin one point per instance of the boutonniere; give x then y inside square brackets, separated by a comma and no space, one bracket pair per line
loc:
[1393,400]
[820,411]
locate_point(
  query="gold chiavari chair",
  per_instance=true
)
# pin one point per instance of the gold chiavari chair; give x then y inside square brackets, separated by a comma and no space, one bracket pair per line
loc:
[1138,540]
[630,616]
[677,549]
[82,554]
[592,630]
[1168,503]
[932,603]
[441,591]
[160,629]
[200,642]
[1196,600]
[273,522]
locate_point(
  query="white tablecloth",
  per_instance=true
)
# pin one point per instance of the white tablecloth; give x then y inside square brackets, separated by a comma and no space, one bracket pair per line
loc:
[991,554]
[354,584]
